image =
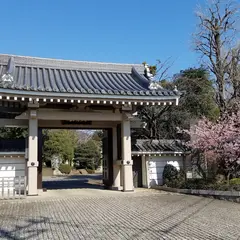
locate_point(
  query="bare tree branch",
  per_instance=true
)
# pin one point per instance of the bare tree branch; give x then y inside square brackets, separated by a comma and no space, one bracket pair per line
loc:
[162,68]
[216,41]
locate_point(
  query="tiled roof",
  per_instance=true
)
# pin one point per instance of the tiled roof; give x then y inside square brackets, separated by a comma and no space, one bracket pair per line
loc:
[62,76]
[158,146]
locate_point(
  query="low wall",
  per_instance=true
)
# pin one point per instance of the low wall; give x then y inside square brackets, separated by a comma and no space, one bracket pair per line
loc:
[47,172]
[233,196]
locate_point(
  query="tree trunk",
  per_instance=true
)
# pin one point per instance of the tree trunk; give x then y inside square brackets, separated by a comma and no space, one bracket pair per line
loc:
[228,178]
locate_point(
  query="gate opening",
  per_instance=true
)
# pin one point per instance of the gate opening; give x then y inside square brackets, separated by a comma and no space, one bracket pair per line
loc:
[75,159]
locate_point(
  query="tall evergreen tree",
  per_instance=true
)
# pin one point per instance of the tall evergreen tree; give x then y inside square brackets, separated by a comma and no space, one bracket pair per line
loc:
[88,155]
[59,142]
[197,101]
[13,133]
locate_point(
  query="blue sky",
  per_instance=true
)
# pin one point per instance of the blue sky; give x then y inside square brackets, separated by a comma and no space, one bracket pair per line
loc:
[129,31]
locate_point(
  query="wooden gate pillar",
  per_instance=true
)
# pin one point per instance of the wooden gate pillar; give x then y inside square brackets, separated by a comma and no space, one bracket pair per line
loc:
[32,163]
[127,156]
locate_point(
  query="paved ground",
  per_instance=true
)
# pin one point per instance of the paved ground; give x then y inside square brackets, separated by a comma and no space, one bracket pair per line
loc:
[102,214]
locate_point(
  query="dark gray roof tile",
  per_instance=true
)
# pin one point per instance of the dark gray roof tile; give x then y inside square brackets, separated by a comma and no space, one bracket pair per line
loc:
[164,145]
[69,64]
[50,75]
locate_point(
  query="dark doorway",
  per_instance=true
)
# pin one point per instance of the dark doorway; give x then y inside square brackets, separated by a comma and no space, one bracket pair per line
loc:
[107,158]
[137,171]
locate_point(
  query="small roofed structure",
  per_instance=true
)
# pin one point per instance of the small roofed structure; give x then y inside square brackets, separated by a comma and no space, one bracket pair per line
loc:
[155,154]
[50,93]
[158,147]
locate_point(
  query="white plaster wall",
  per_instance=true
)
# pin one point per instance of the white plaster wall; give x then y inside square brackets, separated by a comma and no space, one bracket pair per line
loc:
[157,164]
[144,172]
[10,168]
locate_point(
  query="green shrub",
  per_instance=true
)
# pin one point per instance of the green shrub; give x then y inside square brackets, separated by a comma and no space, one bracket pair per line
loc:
[65,168]
[218,186]
[195,184]
[235,181]
[170,174]
[235,187]
[174,183]
[90,171]
[202,184]
[181,175]
[220,178]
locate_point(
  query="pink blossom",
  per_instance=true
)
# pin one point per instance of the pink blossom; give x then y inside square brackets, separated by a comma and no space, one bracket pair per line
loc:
[221,137]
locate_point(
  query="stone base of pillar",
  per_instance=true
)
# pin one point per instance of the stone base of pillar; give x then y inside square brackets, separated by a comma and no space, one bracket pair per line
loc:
[127,190]
[32,181]
[127,176]
[116,188]
[116,177]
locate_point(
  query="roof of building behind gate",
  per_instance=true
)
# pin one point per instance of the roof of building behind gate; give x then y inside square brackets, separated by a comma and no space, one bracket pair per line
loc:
[63,76]
[158,146]
[139,146]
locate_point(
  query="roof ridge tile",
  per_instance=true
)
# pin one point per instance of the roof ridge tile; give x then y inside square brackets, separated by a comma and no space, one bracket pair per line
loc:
[71,64]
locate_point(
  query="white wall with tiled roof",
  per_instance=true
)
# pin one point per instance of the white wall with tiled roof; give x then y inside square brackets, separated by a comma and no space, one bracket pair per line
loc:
[156,165]
[12,169]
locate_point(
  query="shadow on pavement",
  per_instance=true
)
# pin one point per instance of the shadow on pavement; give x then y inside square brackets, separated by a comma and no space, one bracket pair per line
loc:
[28,229]
[92,181]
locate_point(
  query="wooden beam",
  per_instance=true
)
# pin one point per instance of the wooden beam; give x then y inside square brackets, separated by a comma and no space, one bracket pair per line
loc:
[46,114]
[4,122]
[58,124]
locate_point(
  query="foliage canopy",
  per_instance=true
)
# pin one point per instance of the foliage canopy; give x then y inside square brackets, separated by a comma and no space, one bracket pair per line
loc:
[88,155]
[59,142]
[197,101]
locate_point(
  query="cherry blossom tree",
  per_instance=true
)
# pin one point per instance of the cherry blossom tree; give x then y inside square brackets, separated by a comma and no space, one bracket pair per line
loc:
[220,139]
